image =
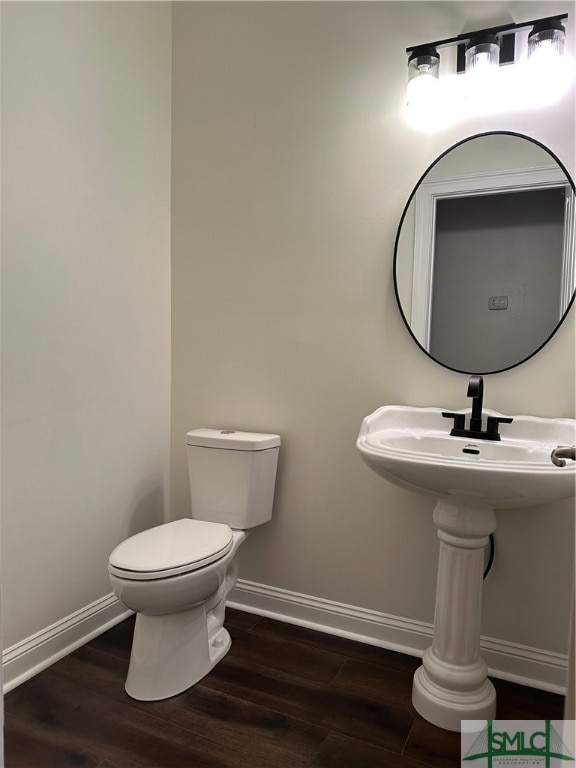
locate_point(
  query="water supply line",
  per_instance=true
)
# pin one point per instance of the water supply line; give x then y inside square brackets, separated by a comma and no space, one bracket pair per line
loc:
[490,557]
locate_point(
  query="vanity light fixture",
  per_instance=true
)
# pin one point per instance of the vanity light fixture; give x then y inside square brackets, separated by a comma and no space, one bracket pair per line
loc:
[514,66]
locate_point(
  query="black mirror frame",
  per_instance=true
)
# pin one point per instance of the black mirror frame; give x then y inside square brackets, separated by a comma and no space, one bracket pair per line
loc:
[412,194]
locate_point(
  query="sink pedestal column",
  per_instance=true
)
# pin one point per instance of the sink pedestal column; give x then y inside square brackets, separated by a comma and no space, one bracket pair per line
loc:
[452,684]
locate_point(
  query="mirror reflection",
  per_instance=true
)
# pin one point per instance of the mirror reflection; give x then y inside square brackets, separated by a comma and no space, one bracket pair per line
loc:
[484,265]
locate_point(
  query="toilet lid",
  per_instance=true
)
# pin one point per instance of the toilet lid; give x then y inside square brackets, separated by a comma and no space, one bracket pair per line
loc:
[170,549]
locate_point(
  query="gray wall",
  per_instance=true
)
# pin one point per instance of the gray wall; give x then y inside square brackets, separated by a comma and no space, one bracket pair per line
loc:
[496,245]
[291,168]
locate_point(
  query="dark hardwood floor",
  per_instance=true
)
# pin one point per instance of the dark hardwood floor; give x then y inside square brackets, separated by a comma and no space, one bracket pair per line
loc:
[283,697]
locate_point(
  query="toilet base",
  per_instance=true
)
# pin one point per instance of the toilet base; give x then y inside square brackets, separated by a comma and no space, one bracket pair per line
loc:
[170,653]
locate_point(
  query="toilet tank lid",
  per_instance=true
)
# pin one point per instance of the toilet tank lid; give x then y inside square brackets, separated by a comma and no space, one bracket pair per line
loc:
[232,439]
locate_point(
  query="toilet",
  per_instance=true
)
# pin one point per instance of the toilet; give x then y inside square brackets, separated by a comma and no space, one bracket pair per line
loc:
[177,576]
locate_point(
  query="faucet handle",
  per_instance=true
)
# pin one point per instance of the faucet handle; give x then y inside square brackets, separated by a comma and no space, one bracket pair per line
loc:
[458,419]
[494,421]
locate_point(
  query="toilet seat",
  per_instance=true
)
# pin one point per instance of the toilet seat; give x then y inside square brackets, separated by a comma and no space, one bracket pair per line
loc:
[171,549]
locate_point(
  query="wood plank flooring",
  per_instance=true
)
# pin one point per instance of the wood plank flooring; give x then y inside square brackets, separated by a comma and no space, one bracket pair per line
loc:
[283,697]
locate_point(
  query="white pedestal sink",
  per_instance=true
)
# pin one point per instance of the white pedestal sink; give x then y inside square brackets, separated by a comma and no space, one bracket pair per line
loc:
[412,448]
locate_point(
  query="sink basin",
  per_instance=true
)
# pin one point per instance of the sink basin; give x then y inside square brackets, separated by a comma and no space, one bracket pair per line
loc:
[412,448]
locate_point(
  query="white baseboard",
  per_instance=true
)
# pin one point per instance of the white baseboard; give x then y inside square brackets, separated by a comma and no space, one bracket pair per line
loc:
[507,661]
[30,656]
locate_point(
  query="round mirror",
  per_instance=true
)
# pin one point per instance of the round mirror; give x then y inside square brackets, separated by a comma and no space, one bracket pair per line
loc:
[484,262]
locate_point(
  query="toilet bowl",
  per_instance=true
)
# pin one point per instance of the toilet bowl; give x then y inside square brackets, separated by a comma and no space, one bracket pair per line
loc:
[176,577]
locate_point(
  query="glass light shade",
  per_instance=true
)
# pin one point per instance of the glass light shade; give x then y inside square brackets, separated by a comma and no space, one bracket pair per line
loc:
[423,90]
[482,54]
[423,62]
[549,72]
[547,36]
[482,69]
[422,101]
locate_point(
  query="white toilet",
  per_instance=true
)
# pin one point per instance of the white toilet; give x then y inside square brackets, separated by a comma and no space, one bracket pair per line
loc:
[177,576]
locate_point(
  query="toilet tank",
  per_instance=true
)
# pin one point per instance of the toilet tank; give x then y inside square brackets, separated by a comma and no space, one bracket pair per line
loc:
[232,476]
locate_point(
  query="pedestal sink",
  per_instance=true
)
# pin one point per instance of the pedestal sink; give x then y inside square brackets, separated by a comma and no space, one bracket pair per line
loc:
[412,448]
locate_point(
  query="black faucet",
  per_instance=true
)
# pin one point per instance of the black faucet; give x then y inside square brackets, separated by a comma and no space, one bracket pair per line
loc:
[476,392]
[475,431]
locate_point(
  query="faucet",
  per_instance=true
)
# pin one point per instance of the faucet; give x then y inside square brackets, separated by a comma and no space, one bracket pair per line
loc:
[563,452]
[475,431]
[476,392]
